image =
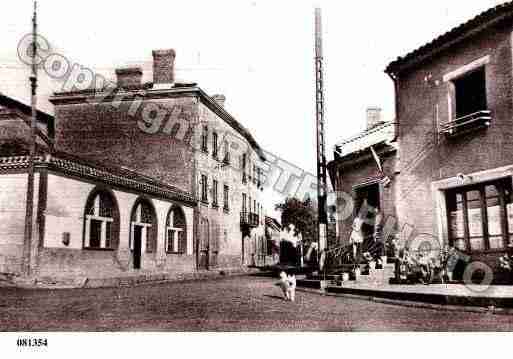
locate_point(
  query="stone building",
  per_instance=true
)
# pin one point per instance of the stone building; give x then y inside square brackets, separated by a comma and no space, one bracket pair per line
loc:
[363,171]
[454,112]
[153,177]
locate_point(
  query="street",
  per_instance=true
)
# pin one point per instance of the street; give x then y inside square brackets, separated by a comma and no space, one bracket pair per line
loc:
[229,304]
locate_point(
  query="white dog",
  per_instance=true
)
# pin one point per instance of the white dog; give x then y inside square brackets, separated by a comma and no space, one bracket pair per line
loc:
[292,287]
[288,286]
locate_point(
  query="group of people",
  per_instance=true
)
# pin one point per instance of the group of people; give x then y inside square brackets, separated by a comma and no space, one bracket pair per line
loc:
[421,267]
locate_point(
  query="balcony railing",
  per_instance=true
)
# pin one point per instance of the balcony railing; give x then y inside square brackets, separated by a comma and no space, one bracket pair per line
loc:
[474,121]
[249,219]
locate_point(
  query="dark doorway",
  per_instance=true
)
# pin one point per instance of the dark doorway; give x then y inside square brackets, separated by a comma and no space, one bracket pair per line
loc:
[137,246]
[288,253]
[367,201]
[204,246]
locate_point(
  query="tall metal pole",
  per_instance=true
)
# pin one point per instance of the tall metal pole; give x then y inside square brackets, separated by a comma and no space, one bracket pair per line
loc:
[32,151]
[321,154]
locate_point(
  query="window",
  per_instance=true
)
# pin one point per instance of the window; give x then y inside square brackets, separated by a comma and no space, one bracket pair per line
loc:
[101,222]
[226,198]
[144,218]
[226,159]
[244,159]
[259,182]
[470,93]
[244,207]
[214,145]
[255,174]
[214,194]
[204,189]
[176,234]
[204,139]
[481,216]
[250,209]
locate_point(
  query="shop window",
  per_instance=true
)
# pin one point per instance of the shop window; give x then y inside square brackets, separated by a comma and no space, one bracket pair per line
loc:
[481,216]
[101,222]
[176,234]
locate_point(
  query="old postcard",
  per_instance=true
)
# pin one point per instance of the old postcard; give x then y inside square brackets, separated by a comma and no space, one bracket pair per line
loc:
[254,166]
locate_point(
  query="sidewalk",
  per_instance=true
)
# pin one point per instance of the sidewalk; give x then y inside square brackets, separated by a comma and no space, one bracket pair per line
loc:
[495,296]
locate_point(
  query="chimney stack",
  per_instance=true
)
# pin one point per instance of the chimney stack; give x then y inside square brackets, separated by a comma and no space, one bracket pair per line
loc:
[220,99]
[163,68]
[129,77]
[373,117]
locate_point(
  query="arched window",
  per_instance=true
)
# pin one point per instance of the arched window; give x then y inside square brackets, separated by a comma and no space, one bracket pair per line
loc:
[101,221]
[176,231]
[144,221]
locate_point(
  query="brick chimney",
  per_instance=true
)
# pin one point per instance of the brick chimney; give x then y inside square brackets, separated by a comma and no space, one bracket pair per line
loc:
[129,77]
[163,68]
[220,99]
[373,117]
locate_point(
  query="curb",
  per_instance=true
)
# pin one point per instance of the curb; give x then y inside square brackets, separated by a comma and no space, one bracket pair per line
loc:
[412,304]
[132,280]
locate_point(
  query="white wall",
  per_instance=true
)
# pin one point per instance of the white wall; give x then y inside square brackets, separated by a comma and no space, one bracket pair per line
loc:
[65,211]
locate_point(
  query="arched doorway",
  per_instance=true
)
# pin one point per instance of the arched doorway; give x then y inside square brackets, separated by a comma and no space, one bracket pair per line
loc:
[143,230]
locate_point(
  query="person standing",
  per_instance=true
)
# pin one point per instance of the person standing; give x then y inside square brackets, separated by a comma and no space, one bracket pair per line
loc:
[356,238]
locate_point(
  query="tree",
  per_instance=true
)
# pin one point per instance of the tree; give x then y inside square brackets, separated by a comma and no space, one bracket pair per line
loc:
[302,214]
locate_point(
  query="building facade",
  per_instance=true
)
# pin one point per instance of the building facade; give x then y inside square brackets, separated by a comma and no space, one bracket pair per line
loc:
[363,179]
[454,106]
[151,177]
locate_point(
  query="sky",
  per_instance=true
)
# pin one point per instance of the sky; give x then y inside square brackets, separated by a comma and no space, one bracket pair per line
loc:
[259,54]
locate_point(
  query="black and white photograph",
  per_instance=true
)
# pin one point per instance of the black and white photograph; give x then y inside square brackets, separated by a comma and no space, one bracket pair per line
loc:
[260,167]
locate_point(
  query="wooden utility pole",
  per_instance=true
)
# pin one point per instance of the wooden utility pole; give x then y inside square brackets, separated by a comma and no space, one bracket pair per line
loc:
[29,215]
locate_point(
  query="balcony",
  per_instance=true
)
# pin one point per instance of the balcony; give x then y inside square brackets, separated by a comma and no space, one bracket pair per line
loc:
[249,219]
[474,121]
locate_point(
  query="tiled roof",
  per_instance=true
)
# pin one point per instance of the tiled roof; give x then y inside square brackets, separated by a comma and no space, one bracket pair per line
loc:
[26,109]
[485,19]
[111,175]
